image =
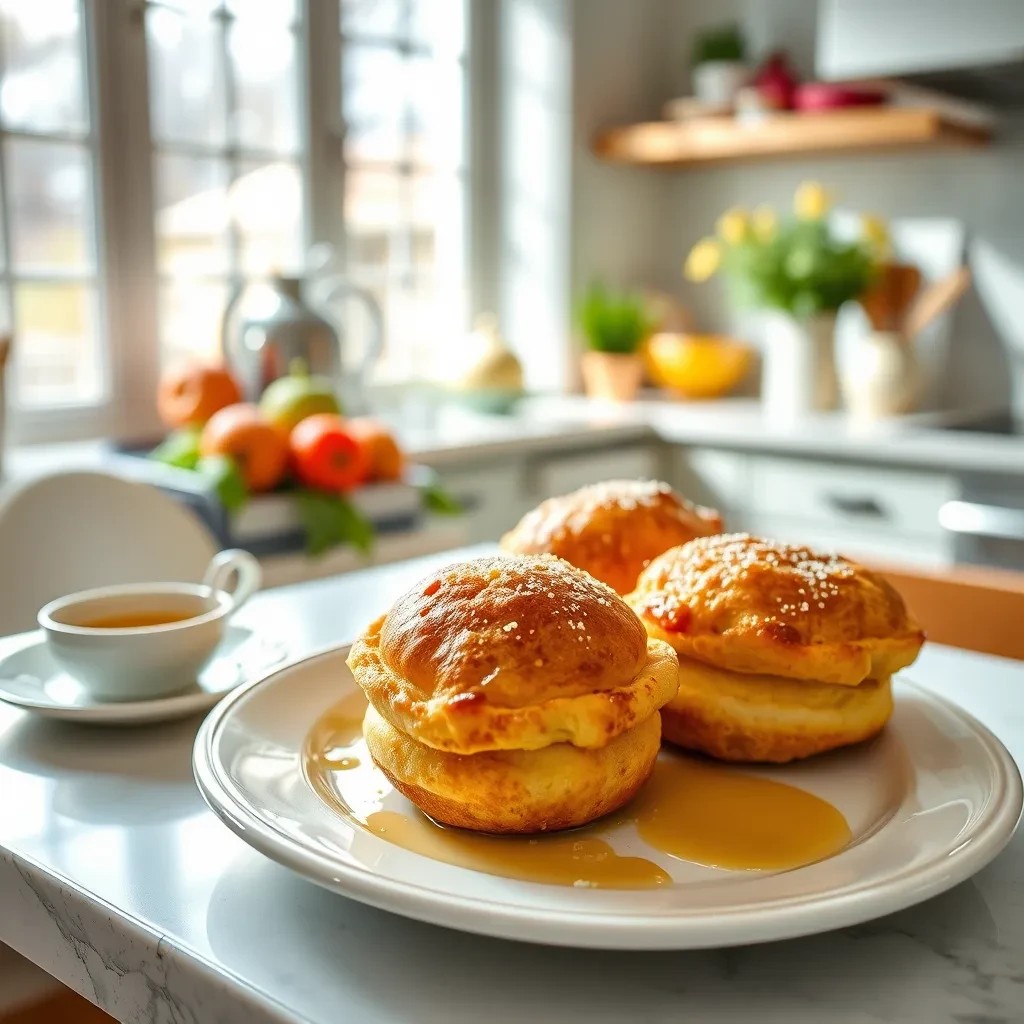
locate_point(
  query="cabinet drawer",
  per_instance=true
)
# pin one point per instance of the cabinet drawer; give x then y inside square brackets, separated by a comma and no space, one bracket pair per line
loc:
[866,544]
[905,501]
[714,478]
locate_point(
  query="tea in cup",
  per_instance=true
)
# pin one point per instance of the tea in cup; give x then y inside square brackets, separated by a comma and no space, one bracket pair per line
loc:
[145,640]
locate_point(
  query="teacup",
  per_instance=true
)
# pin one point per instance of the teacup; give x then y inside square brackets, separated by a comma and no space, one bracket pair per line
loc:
[145,640]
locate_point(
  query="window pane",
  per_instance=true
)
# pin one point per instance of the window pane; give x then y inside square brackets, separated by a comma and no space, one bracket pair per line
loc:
[439,25]
[438,229]
[374,91]
[43,78]
[190,319]
[192,215]
[435,121]
[263,57]
[57,355]
[191,6]
[186,77]
[375,216]
[49,191]
[417,324]
[280,11]
[266,204]
[372,17]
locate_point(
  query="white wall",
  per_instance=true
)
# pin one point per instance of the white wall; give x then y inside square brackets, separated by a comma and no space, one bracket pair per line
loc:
[621,53]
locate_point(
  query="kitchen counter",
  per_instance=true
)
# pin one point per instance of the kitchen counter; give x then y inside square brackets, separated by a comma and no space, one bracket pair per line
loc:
[452,436]
[116,879]
[918,441]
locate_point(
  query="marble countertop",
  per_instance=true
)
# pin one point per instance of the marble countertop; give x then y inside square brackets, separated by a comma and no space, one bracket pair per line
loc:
[115,878]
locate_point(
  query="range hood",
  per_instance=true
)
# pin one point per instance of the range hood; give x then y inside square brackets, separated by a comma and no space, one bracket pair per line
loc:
[973,49]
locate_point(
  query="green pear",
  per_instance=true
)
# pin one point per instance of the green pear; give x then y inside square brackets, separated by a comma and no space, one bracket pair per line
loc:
[290,399]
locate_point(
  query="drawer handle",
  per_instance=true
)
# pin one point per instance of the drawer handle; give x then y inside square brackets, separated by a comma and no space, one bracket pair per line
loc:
[852,505]
[976,520]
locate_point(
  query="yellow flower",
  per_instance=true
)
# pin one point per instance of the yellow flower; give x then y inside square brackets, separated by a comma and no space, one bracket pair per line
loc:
[733,226]
[704,259]
[764,223]
[812,201]
[875,233]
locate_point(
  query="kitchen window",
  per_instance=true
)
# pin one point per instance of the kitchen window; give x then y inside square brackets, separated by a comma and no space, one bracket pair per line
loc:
[224,85]
[48,208]
[155,154]
[403,104]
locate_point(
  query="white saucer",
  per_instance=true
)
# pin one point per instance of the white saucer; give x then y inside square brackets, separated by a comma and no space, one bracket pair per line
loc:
[30,679]
[929,803]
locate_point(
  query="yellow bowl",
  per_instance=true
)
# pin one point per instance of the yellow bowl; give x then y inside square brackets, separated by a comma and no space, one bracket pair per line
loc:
[695,365]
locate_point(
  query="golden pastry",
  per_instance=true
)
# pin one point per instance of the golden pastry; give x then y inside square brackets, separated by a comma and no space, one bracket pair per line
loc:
[612,529]
[513,694]
[783,653]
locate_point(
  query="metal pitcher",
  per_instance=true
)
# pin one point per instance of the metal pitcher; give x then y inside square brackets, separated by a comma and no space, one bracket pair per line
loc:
[267,325]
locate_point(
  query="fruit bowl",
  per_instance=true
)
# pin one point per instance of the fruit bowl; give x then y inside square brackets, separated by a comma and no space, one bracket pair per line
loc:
[697,366]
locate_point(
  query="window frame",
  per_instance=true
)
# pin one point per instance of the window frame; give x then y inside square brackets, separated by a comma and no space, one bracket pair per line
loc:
[117,82]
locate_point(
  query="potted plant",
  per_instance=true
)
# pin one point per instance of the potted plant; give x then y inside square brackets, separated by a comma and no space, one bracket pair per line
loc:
[800,271]
[719,66]
[614,326]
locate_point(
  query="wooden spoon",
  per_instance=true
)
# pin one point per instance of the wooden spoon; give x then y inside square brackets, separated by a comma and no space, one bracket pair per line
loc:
[892,292]
[934,301]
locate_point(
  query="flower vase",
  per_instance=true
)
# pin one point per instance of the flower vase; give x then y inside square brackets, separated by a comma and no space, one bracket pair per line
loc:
[799,373]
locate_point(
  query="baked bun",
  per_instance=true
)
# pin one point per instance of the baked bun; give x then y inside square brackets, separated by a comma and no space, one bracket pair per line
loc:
[513,694]
[783,653]
[613,529]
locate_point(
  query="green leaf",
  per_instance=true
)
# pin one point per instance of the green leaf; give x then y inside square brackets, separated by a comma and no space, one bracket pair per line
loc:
[180,448]
[227,480]
[439,502]
[331,521]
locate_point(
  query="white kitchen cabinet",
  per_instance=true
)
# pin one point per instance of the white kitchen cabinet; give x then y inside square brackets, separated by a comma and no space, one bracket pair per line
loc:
[856,496]
[498,493]
[717,479]
[863,543]
[867,511]
[564,472]
[492,495]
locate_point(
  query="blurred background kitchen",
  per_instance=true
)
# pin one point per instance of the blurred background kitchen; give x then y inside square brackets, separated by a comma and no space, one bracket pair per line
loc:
[769,250]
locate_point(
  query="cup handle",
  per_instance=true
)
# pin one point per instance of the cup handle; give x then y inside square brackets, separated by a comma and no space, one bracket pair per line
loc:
[226,564]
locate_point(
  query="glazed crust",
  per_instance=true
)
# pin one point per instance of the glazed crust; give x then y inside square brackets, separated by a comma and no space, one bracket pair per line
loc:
[748,718]
[517,652]
[613,529]
[518,791]
[756,606]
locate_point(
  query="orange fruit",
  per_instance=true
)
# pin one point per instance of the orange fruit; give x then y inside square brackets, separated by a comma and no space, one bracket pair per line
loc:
[387,462]
[326,455]
[190,394]
[240,432]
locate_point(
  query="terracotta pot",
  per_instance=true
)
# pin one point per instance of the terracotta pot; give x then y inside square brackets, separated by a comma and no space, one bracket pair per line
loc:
[611,376]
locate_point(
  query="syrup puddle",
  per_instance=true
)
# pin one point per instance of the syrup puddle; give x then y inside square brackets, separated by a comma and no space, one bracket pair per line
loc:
[690,809]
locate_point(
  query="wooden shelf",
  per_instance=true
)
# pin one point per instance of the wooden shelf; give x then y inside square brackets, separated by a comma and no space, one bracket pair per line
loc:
[725,139]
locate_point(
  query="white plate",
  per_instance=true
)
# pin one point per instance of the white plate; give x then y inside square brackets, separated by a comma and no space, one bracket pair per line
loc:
[31,679]
[929,803]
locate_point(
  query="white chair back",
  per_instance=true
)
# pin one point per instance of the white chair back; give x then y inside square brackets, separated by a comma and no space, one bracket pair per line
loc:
[72,531]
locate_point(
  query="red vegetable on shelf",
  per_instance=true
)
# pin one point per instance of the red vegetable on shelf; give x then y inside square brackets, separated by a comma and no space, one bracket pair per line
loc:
[776,82]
